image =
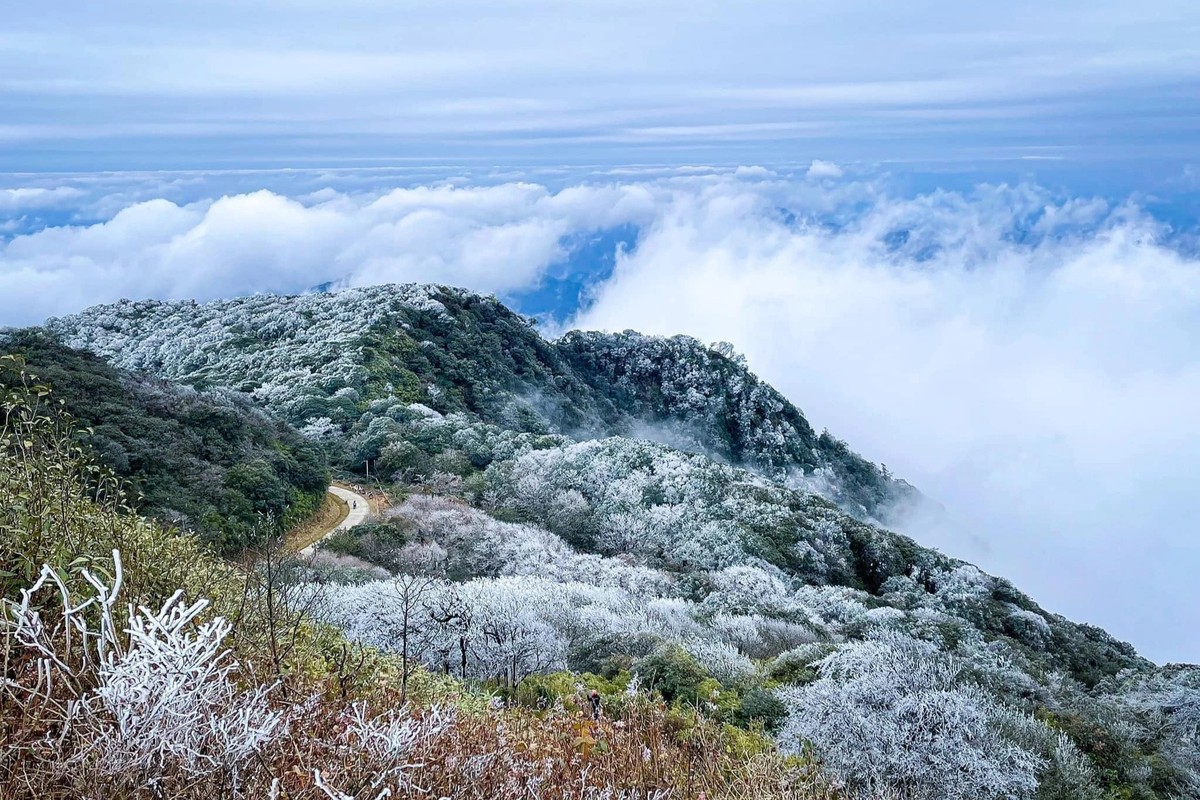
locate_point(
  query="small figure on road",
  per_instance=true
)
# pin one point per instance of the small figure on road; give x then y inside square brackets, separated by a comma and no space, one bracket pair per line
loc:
[354,504]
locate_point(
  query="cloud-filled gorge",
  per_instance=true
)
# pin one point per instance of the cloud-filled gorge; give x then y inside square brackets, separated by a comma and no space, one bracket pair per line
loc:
[1026,359]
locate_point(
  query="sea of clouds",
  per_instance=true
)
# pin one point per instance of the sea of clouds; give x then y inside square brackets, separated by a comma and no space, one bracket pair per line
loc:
[1028,359]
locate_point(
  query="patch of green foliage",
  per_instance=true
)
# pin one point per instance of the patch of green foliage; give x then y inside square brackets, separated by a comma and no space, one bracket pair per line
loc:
[377,542]
[207,462]
[60,508]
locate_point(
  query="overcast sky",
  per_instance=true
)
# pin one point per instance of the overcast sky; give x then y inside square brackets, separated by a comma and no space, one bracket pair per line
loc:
[961,236]
[239,83]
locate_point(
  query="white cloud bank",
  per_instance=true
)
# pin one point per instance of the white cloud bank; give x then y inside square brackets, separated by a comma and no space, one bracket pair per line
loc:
[493,239]
[1045,393]
[1029,362]
[823,169]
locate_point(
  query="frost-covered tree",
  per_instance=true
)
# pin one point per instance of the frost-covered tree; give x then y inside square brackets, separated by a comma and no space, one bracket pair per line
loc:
[516,638]
[894,715]
[1166,706]
[413,628]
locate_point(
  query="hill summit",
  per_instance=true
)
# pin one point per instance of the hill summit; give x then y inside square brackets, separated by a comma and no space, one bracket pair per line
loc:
[322,358]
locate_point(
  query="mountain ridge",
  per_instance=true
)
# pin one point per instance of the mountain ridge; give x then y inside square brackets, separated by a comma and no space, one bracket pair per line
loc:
[349,368]
[460,351]
[630,504]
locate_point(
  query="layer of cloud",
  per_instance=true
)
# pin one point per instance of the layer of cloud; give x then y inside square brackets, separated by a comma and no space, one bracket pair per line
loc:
[1031,365]
[494,239]
[1026,359]
[283,83]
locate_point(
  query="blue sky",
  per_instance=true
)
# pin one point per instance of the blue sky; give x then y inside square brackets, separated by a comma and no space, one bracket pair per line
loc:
[961,236]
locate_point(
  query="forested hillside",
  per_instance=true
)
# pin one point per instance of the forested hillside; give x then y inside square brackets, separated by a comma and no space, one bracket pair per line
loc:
[318,360]
[673,524]
[139,665]
[210,462]
[645,518]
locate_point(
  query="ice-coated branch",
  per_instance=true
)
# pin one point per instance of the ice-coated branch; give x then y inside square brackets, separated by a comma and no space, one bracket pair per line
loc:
[157,695]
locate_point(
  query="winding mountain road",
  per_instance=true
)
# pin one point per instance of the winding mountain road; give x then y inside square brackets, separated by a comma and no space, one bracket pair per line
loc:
[359,510]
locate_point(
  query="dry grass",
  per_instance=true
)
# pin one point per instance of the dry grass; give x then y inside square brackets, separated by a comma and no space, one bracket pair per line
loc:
[645,753]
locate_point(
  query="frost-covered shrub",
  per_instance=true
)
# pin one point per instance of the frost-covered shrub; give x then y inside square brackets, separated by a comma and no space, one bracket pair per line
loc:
[170,701]
[722,661]
[965,590]
[832,607]
[392,743]
[507,626]
[773,636]
[746,589]
[741,631]
[679,510]
[158,697]
[886,617]
[892,715]
[1070,774]
[799,664]
[1165,708]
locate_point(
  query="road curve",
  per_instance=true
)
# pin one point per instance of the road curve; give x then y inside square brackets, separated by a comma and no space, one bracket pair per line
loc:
[359,510]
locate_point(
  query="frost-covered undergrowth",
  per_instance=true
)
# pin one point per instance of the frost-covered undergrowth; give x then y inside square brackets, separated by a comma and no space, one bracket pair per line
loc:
[674,521]
[900,694]
[103,702]
[151,701]
[141,701]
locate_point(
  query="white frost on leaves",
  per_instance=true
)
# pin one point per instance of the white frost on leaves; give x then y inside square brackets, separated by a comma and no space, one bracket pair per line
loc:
[723,661]
[895,714]
[164,691]
[278,348]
